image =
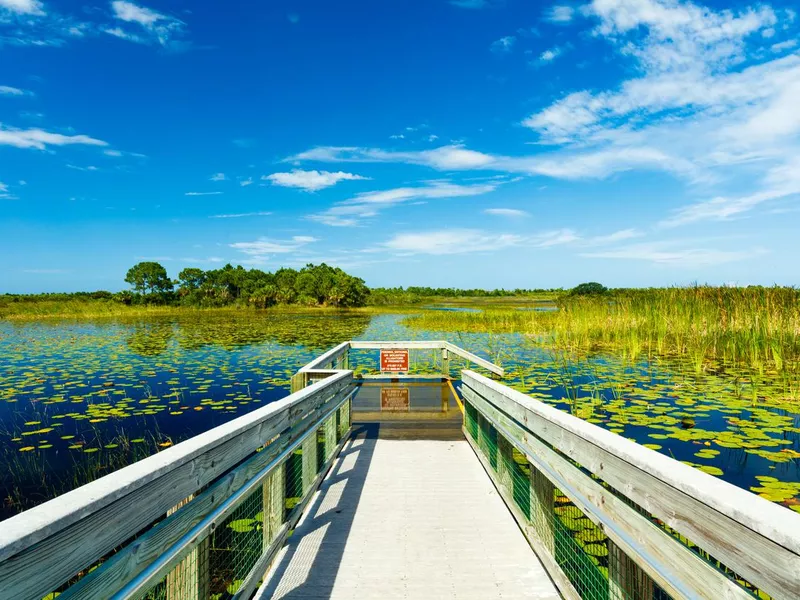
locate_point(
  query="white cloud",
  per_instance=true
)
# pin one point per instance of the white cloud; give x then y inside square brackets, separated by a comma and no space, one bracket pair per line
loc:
[156,26]
[550,55]
[506,212]
[23,7]
[311,181]
[217,177]
[560,14]
[77,168]
[612,238]
[240,215]
[504,44]
[40,139]
[246,182]
[672,254]
[462,241]
[451,241]
[202,193]
[260,250]
[781,46]
[5,194]
[564,165]
[6,90]
[125,35]
[114,153]
[349,213]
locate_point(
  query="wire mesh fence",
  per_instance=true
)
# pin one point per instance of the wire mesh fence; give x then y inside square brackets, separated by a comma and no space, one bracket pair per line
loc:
[218,565]
[594,566]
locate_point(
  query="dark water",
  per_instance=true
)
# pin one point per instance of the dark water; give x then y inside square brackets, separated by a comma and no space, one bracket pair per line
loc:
[81,399]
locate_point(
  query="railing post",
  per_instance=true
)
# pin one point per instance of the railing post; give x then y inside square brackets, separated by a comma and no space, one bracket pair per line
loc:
[273,492]
[543,508]
[505,458]
[190,578]
[626,580]
[298,382]
[445,363]
[309,460]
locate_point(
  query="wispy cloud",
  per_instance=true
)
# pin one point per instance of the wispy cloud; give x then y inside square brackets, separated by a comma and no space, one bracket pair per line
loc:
[5,194]
[6,90]
[241,215]
[23,7]
[577,164]
[506,212]
[559,14]
[260,250]
[462,241]
[676,254]
[217,177]
[77,168]
[351,212]
[246,182]
[311,181]
[503,45]
[46,271]
[550,55]
[40,139]
[153,26]
[202,193]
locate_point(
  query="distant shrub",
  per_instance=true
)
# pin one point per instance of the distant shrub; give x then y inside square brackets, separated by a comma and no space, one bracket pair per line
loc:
[591,288]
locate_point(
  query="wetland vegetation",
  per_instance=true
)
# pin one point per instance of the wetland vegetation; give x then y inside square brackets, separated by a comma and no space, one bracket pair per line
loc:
[709,376]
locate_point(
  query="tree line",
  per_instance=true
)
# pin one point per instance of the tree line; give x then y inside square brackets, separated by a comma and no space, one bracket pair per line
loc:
[313,285]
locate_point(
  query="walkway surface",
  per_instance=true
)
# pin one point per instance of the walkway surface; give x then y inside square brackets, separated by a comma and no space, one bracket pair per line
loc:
[415,519]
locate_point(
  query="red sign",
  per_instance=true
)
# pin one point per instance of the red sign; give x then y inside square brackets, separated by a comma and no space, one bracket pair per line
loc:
[394,399]
[394,361]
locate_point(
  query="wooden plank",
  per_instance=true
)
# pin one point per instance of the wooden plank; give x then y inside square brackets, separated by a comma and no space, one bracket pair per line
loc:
[757,514]
[398,345]
[329,358]
[474,358]
[99,516]
[676,568]
[134,558]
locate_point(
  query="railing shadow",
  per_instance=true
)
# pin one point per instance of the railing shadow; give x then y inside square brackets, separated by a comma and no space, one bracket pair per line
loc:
[308,566]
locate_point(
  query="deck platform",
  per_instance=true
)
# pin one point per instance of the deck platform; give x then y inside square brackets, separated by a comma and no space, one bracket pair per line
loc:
[415,519]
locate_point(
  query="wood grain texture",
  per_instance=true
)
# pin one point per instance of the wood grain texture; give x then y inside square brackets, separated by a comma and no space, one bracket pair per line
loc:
[129,562]
[92,520]
[695,504]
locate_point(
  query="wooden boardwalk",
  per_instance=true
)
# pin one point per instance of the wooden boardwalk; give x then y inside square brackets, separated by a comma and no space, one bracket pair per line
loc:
[407,519]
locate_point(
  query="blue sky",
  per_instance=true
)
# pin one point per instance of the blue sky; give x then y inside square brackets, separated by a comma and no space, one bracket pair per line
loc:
[472,143]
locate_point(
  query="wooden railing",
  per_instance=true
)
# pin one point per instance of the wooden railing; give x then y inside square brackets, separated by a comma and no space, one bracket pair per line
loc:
[610,518]
[145,530]
[150,530]
[339,358]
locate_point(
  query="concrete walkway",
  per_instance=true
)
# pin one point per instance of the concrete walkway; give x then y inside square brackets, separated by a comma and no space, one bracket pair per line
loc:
[416,519]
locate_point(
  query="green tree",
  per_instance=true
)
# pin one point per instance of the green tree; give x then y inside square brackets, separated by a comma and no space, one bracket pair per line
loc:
[591,288]
[149,278]
[191,279]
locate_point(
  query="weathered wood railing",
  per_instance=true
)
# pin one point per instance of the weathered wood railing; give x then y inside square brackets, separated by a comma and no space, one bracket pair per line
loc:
[339,358]
[210,511]
[610,518]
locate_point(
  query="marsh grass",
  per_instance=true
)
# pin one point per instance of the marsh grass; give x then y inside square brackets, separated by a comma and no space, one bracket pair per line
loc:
[754,327]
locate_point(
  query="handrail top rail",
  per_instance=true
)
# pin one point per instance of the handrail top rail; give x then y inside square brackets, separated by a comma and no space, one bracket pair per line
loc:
[402,345]
[766,518]
[42,521]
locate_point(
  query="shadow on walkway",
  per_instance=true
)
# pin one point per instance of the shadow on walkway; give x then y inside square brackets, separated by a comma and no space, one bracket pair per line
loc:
[308,565]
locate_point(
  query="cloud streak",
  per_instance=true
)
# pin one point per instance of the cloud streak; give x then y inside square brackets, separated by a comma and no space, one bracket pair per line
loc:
[40,140]
[311,181]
